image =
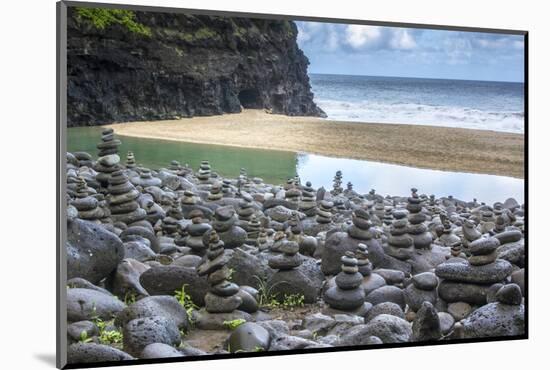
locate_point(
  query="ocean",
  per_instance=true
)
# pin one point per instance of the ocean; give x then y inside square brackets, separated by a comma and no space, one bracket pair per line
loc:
[487,105]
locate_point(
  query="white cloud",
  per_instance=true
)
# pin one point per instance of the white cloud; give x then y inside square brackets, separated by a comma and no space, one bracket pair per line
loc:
[332,40]
[358,36]
[402,40]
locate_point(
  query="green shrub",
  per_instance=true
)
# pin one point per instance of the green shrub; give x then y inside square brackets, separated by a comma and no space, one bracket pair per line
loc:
[185,300]
[102,18]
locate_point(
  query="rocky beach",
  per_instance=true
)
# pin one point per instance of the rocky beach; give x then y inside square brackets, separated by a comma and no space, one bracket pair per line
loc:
[179,261]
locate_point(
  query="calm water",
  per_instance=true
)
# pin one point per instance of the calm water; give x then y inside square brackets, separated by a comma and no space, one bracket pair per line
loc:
[497,106]
[277,166]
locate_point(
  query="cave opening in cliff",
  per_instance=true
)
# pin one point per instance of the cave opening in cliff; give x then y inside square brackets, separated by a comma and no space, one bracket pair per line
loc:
[250,99]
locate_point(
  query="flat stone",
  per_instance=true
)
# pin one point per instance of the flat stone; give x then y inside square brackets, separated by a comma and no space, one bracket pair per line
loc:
[464,272]
[484,246]
[425,281]
[86,353]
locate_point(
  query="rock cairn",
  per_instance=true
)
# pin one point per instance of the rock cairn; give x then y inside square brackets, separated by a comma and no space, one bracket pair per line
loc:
[422,238]
[469,281]
[224,223]
[347,295]
[196,231]
[245,210]
[422,289]
[130,160]
[170,224]
[361,224]
[308,204]
[122,199]
[253,231]
[215,193]
[364,266]
[204,172]
[86,205]
[324,213]
[145,179]
[469,232]
[448,237]
[108,159]
[400,243]
[222,295]
[337,183]
[288,259]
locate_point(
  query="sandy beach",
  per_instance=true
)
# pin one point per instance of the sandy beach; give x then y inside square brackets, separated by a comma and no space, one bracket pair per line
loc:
[442,148]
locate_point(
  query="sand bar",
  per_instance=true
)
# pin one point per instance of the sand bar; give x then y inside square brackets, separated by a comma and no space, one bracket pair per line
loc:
[441,148]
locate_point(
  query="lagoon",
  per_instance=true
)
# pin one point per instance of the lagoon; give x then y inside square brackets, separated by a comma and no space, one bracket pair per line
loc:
[277,166]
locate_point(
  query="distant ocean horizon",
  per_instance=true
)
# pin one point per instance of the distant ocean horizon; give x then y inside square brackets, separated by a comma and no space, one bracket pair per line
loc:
[486,105]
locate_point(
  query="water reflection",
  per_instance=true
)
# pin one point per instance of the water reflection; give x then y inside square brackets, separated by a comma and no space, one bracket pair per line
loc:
[390,179]
[277,166]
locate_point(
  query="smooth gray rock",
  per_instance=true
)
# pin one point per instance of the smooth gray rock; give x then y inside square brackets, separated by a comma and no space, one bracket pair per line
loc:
[451,291]
[518,277]
[139,333]
[75,330]
[159,350]
[509,294]
[425,281]
[446,322]
[85,304]
[459,310]
[249,337]
[86,353]
[392,277]
[414,297]
[93,252]
[388,293]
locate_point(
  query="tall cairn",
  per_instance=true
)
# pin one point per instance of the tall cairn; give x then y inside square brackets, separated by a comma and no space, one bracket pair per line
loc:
[122,199]
[204,172]
[130,160]
[222,295]
[308,204]
[337,183]
[422,238]
[108,159]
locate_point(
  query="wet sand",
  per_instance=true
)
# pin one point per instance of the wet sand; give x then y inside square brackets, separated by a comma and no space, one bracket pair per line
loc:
[440,148]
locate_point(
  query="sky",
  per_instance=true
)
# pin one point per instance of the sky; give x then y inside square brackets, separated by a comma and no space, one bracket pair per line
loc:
[406,52]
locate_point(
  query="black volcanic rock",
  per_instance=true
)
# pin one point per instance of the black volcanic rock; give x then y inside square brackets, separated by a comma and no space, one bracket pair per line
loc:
[189,65]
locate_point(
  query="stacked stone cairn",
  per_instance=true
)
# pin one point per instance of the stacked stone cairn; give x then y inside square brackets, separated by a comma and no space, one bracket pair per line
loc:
[400,243]
[204,173]
[324,213]
[253,231]
[469,233]
[108,159]
[122,199]
[145,179]
[130,160]
[423,288]
[215,193]
[422,238]
[469,281]
[86,205]
[196,231]
[337,183]
[448,237]
[224,223]
[308,204]
[347,294]
[222,295]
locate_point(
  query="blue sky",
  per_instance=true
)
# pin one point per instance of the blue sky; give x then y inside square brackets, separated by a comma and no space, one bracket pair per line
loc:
[406,52]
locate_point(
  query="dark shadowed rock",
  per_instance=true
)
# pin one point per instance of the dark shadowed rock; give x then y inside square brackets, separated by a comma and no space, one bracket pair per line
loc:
[426,325]
[248,269]
[509,294]
[93,252]
[451,291]
[306,279]
[165,280]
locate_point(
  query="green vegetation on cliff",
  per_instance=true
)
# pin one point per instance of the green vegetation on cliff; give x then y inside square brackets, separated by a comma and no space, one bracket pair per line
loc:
[102,18]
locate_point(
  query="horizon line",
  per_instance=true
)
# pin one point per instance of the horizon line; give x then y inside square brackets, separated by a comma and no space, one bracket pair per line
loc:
[416,77]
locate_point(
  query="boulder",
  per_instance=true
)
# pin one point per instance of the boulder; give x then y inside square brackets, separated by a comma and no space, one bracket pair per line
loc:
[86,353]
[165,306]
[249,337]
[93,252]
[86,304]
[139,333]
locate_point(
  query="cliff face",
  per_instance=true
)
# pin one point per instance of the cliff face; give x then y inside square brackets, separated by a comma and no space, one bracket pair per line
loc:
[187,66]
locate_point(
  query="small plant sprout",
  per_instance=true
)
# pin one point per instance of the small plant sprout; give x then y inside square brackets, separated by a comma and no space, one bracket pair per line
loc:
[233,324]
[84,337]
[185,300]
